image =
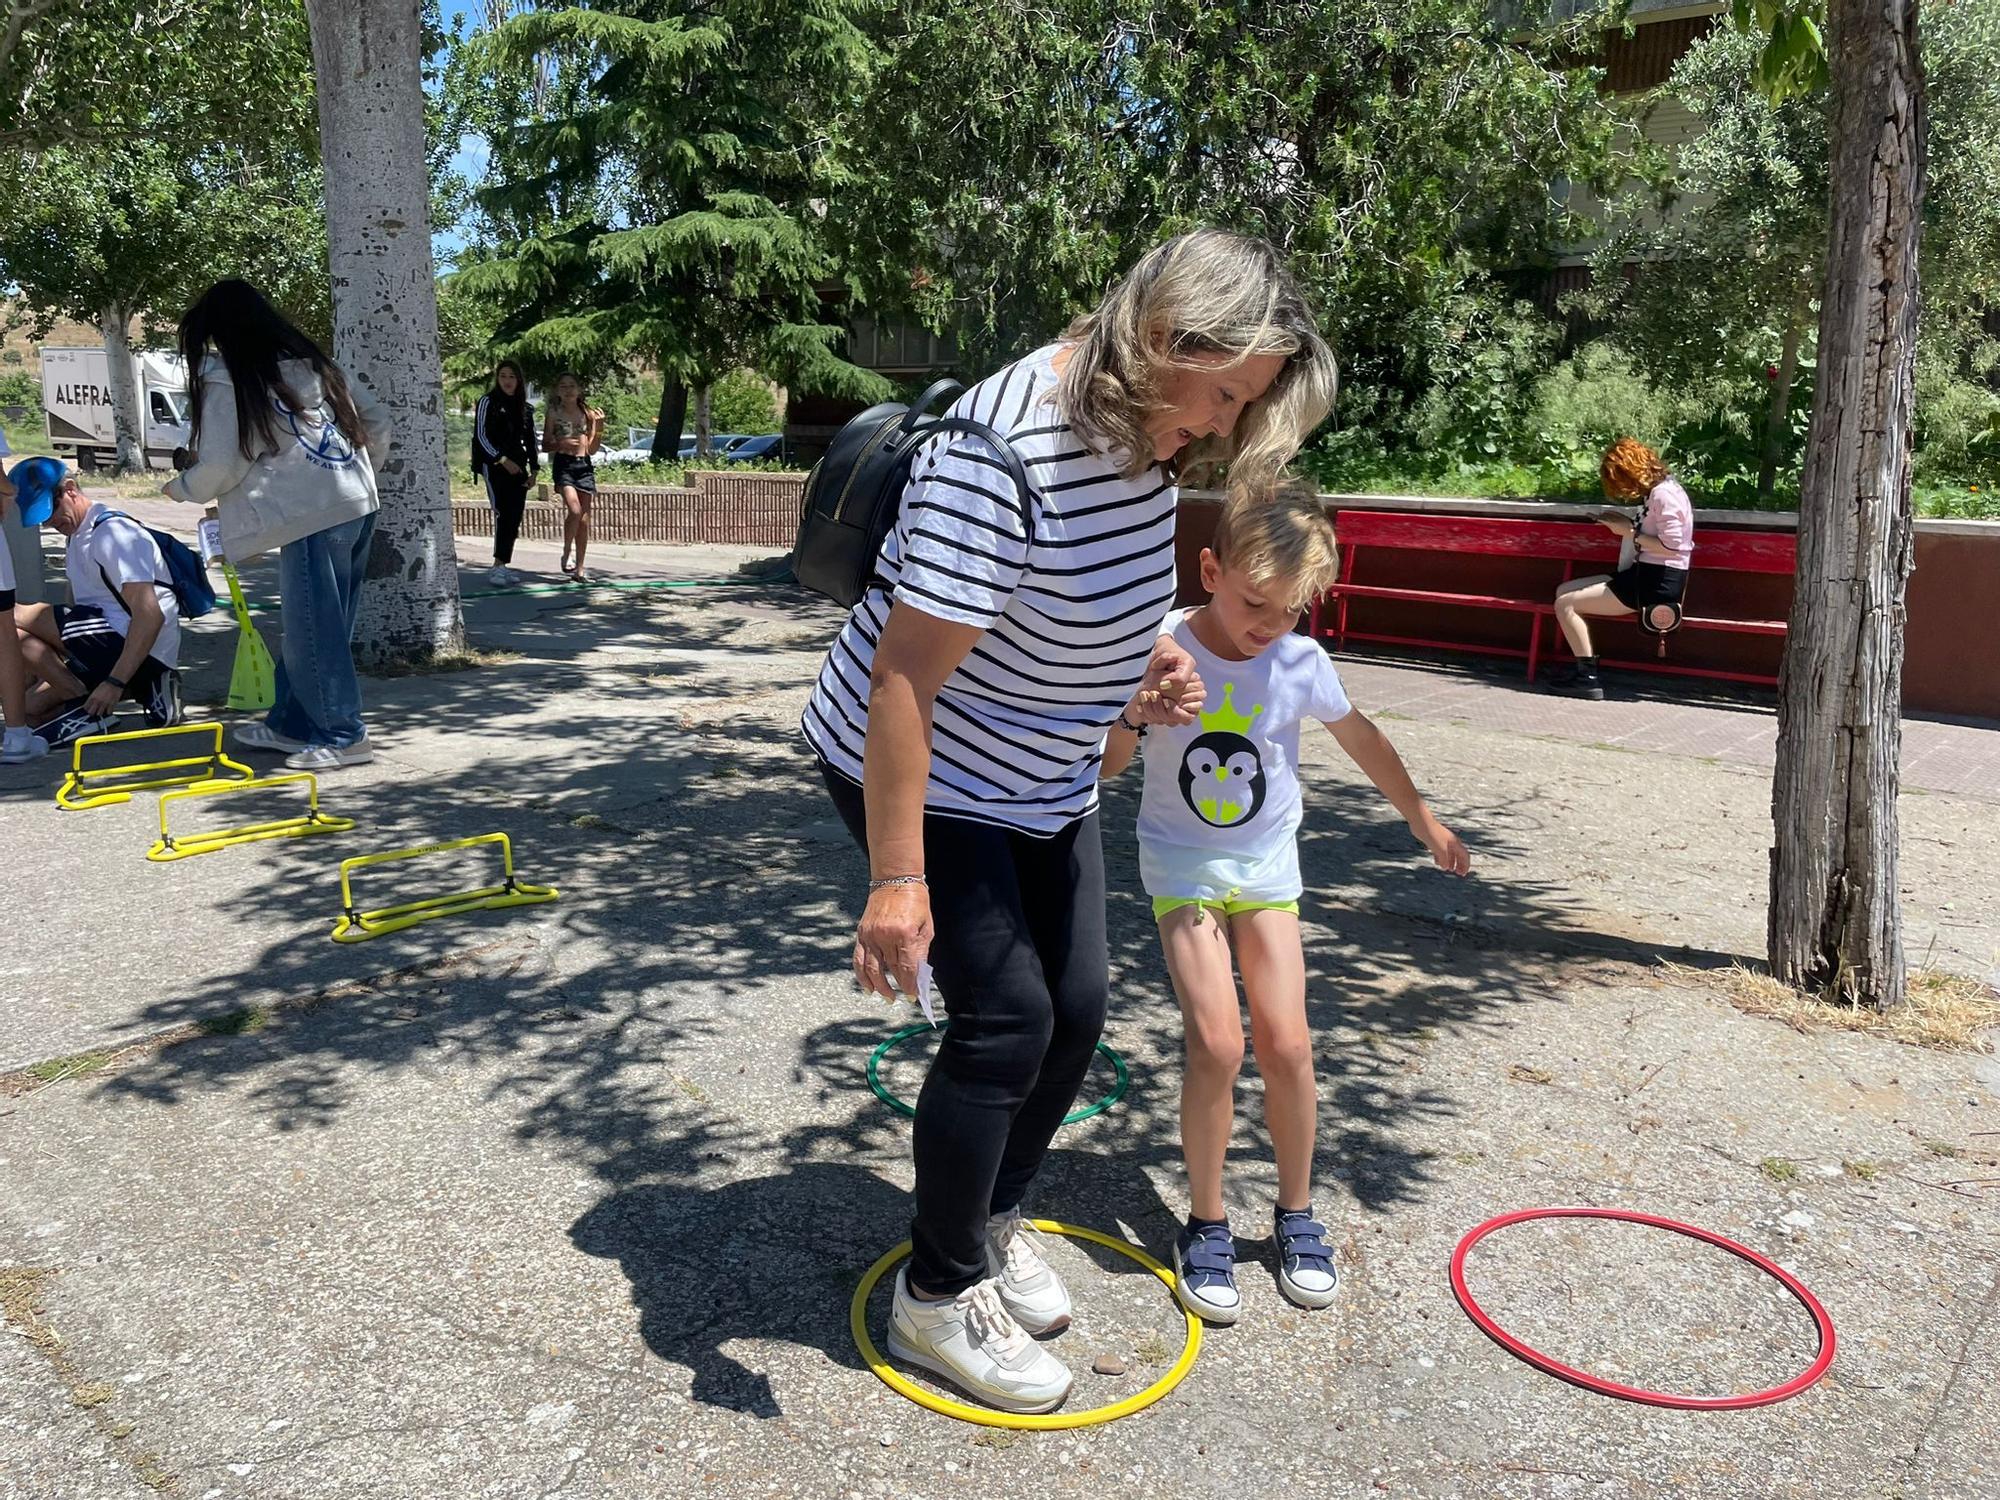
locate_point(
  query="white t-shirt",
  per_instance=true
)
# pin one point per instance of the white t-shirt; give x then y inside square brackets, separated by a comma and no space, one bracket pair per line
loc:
[1219,816]
[112,545]
[1069,590]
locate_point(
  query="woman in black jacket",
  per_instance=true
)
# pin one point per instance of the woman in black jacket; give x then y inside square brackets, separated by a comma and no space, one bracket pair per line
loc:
[503,450]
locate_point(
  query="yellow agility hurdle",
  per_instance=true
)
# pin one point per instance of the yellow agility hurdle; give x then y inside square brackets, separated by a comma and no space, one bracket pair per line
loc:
[85,788]
[357,926]
[183,845]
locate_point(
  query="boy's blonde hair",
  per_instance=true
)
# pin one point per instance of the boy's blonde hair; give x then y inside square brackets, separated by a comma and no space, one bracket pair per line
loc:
[1279,537]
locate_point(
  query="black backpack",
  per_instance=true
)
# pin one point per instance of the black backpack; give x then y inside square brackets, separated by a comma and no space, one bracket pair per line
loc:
[855,493]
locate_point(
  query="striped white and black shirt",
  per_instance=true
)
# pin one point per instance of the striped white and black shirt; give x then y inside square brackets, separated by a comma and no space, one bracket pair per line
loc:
[1070,590]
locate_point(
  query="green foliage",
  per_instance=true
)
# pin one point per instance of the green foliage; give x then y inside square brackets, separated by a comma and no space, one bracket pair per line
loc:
[21,388]
[188,74]
[144,227]
[1009,160]
[1596,396]
[1958,419]
[742,402]
[1482,368]
[672,476]
[1791,46]
[657,186]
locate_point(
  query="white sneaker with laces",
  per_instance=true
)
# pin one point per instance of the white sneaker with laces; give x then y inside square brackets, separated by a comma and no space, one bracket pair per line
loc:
[20,745]
[500,575]
[1029,1286]
[974,1342]
[261,736]
[332,757]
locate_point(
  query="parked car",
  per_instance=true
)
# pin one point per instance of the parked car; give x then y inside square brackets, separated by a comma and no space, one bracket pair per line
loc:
[719,443]
[769,445]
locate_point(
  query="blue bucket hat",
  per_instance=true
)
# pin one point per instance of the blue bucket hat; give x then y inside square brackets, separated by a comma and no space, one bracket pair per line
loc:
[35,482]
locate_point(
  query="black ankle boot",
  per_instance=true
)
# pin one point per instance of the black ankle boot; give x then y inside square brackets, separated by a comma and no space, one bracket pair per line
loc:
[1579,681]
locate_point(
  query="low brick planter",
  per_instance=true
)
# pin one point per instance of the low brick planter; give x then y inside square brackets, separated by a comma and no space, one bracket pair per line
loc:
[746,509]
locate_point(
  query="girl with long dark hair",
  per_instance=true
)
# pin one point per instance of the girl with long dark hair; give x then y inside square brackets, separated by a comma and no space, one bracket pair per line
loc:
[503,450]
[286,447]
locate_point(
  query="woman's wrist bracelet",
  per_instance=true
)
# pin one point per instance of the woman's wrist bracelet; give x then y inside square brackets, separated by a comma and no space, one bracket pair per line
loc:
[1127,724]
[893,880]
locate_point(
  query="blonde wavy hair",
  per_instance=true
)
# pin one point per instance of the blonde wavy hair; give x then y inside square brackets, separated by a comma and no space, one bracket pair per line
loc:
[1278,540]
[1193,298]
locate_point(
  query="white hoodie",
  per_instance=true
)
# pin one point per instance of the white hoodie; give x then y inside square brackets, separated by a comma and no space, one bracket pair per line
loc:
[310,480]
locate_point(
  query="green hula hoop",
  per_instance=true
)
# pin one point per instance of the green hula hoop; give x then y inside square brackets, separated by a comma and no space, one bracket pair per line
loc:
[1121,1077]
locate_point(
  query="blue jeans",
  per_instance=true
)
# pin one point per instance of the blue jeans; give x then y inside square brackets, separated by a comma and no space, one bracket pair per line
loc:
[319,587]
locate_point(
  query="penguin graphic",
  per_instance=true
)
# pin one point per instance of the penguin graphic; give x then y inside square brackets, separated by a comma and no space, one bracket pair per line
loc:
[1222,775]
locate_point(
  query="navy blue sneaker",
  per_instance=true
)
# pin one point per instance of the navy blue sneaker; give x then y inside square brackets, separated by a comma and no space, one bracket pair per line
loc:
[1205,1272]
[1306,1273]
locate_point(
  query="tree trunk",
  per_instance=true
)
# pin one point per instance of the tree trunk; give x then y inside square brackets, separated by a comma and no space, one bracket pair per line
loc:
[367,63]
[672,416]
[1781,395]
[1835,919]
[701,420]
[128,422]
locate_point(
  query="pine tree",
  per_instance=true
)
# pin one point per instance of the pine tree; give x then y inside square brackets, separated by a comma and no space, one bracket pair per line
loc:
[664,204]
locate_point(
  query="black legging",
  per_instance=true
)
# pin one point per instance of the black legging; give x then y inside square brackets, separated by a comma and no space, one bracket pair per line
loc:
[1023,970]
[509,494]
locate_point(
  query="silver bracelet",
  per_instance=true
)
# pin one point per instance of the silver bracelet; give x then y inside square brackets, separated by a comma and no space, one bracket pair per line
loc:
[883,885]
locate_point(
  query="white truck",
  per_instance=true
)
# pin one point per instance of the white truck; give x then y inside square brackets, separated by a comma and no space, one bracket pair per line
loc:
[76,405]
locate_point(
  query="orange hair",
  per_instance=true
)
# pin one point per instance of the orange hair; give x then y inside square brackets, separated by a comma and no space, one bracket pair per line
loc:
[1630,469]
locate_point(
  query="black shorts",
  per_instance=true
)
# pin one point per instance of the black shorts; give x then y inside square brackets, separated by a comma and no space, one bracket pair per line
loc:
[566,469]
[92,646]
[1645,584]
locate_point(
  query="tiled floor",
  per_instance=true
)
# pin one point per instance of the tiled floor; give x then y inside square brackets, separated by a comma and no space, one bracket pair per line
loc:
[1674,716]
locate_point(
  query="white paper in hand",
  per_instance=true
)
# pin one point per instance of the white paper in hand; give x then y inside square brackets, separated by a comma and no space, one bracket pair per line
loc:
[924,994]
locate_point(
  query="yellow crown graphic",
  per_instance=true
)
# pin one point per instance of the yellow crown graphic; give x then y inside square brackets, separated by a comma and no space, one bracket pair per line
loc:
[1226,719]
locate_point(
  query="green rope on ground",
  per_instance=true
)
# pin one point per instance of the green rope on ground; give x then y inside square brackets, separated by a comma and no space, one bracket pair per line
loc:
[632,583]
[1121,1079]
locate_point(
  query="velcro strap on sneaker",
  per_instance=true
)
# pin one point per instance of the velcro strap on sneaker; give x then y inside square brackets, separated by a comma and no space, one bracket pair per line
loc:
[1304,1240]
[1211,1253]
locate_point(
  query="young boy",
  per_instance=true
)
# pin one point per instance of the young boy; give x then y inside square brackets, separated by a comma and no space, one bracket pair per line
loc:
[18,742]
[1218,826]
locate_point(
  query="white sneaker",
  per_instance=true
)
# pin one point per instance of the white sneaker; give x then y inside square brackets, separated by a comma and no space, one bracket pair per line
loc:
[1029,1286]
[19,746]
[332,757]
[258,735]
[974,1342]
[501,576]
[1306,1271]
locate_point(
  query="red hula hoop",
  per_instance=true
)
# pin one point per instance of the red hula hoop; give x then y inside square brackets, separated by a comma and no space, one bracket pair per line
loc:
[1605,1387]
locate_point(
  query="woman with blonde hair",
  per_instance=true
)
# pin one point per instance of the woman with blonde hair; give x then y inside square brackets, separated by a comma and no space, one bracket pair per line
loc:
[1652,564]
[960,721]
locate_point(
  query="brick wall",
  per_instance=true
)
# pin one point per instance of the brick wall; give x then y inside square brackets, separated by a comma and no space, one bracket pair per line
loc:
[754,509]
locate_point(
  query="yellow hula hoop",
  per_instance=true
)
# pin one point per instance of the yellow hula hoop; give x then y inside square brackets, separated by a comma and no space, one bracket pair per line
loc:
[1055,1421]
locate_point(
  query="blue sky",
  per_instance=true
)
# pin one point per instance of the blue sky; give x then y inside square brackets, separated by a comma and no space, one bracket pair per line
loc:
[471,158]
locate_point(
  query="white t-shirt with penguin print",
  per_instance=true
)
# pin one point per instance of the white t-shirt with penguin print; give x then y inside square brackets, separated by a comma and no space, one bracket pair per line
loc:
[1219,815]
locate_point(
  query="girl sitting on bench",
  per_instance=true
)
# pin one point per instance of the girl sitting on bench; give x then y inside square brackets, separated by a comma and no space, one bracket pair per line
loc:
[1652,563]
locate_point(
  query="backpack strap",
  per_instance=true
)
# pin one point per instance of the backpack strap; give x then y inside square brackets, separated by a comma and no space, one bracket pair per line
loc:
[991,436]
[112,588]
[997,441]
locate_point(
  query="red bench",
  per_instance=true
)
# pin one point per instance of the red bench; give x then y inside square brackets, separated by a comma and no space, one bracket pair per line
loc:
[1582,547]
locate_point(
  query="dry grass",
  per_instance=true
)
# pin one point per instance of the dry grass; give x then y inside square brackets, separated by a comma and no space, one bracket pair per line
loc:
[1947,1011]
[471,659]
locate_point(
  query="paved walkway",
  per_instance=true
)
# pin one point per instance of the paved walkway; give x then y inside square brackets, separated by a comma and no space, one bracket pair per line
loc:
[1712,721]
[1741,729]
[489,1206]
